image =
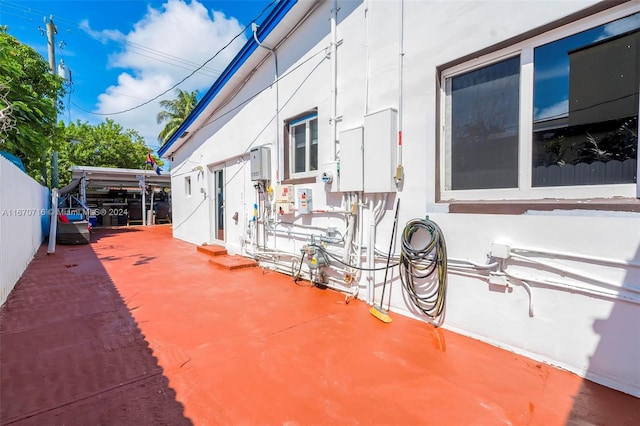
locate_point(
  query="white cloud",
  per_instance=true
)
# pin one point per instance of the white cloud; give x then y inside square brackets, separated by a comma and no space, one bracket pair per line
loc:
[103,36]
[162,48]
[621,26]
[559,70]
[556,110]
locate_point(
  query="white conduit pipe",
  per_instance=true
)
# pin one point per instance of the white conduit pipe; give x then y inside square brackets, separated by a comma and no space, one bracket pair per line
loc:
[574,288]
[399,169]
[276,82]
[573,272]
[598,259]
[370,250]
[53,225]
[334,79]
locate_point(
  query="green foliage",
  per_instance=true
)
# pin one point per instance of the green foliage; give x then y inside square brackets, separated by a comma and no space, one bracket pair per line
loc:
[29,96]
[175,112]
[103,145]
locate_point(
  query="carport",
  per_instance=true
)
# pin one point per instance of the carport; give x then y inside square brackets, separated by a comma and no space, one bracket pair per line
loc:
[119,196]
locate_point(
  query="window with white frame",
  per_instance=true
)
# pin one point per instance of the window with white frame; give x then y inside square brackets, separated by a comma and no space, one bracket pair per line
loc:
[303,145]
[556,114]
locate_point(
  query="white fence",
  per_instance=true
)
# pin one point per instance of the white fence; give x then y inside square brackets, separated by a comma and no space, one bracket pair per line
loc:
[24,223]
[596,173]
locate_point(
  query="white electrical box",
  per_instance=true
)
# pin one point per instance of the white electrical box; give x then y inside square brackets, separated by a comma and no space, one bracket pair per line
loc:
[260,163]
[305,201]
[284,194]
[351,160]
[380,144]
[284,199]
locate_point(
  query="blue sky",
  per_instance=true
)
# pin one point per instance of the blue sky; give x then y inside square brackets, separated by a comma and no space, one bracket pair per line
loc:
[122,53]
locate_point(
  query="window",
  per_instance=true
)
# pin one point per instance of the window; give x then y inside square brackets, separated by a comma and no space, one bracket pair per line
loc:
[484,127]
[553,113]
[303,145]
[187,186]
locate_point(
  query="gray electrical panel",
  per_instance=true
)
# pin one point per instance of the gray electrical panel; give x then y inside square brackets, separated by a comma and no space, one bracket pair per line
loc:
[260,163]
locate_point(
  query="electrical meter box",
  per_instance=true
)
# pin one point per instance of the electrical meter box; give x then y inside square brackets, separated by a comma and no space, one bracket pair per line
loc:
[379,151]
[313,258]
[305,201]
[284,199]
[260,163]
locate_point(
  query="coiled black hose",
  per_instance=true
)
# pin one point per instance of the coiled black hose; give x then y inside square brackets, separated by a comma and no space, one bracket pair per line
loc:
[418,265]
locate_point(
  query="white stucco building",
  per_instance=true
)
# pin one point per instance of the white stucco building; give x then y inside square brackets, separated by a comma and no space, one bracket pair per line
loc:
[511,125]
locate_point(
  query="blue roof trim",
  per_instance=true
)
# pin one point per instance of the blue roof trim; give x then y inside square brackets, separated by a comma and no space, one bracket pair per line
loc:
[272,20]
[305,118]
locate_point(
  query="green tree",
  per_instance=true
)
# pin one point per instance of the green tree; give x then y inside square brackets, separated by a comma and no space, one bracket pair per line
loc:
[28,99]
[103,145]
[175,112]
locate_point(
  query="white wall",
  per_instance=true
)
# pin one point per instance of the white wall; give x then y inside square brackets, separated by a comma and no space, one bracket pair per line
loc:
[590,335]
[24,223]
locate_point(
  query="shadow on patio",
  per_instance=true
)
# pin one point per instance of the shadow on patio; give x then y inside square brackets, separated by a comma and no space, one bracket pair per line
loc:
[71,352]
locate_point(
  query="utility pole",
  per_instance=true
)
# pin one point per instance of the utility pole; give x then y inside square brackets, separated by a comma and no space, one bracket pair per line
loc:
[53,225]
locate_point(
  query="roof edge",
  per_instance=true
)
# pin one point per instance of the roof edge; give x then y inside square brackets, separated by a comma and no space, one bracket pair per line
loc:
[273,19]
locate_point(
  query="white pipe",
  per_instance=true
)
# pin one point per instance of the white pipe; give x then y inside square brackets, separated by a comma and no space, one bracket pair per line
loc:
[366,47]
[598,259]
[574,288]
[475,265]
[399,169]
[144,202]
[360,229]
[53,226]
[348,243]
[334,80]
[254,27]
[370,250]
[570,271]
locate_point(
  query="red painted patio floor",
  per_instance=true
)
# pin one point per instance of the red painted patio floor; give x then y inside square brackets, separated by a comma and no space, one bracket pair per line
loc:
[138,328]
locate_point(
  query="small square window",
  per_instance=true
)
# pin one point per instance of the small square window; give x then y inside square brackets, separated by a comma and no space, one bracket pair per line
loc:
[303,145]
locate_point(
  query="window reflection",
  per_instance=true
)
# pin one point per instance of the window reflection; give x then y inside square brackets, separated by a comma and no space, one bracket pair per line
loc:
[586,107]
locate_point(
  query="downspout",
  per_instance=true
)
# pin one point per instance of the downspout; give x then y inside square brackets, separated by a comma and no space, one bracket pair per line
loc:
[399,168]
[334,80]
[370,250]
[254,28]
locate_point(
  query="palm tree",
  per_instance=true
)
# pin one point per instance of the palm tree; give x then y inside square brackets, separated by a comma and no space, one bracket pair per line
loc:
[175,112]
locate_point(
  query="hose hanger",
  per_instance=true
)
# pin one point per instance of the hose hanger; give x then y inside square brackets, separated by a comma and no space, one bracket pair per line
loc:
[423,270]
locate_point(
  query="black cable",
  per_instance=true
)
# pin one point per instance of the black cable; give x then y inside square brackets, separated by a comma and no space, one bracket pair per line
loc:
[194,71]
[297,277]
[337,259]
[419,264]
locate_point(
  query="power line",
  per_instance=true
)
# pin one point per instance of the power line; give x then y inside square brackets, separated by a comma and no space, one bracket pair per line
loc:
[62,23]
[197,69]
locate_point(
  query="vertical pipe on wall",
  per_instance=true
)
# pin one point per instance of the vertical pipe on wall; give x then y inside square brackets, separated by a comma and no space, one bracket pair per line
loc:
[254,28]
[370,254]
[399,168]
[334,80]
[366,65]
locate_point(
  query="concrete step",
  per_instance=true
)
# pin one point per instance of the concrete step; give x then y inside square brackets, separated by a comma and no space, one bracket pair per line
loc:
[212,250]
[233,262]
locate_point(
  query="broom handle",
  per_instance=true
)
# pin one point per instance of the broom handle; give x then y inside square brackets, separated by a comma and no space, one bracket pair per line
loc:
[393,234]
